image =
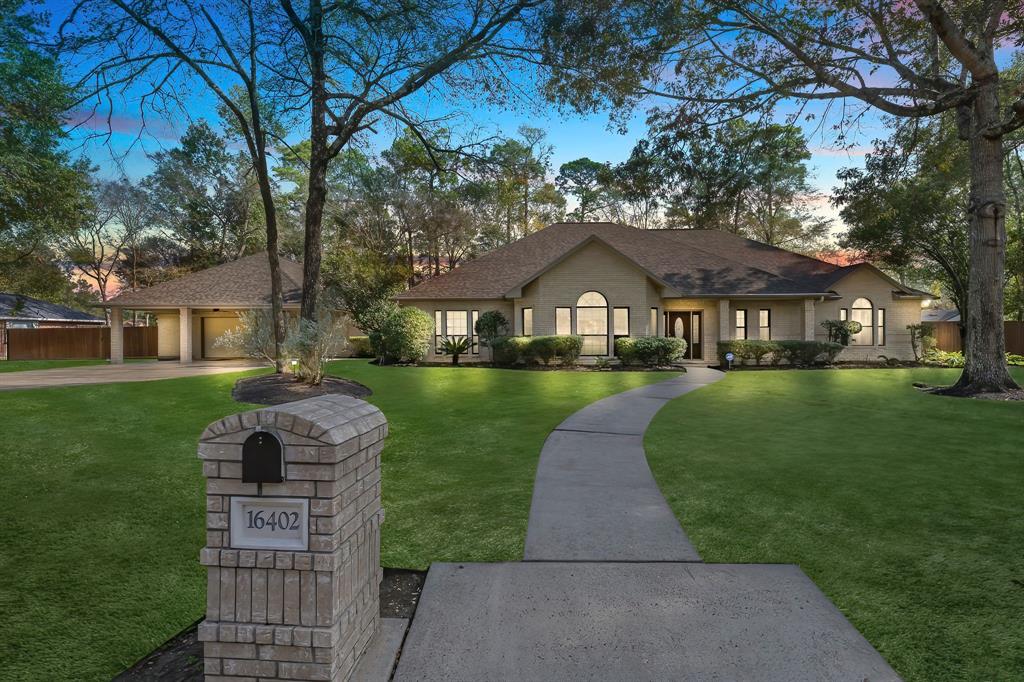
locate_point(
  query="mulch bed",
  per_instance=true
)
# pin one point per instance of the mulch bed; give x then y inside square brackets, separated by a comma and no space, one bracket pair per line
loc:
[276,389]
[181,658]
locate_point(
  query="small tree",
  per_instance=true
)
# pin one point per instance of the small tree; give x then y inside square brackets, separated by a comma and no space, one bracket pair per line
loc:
[840,331]
[922,338]
[491,325]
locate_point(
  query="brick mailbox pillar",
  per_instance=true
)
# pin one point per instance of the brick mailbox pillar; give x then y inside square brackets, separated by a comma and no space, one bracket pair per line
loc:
[292,539]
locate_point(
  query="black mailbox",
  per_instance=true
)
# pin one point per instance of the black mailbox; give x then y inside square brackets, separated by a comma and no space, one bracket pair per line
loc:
[262,460]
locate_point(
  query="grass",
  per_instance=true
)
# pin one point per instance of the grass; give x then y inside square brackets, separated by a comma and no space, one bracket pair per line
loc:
[103,497]
[26,365]
[904,508]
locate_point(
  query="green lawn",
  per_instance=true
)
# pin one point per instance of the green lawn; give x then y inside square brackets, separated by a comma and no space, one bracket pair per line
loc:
[103,497]
[906,509]
[25,365]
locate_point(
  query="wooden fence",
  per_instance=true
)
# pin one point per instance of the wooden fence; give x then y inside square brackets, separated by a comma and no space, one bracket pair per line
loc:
[947,336]
[77,343]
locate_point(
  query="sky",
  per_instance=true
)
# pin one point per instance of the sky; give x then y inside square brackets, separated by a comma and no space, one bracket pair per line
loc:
[572,136]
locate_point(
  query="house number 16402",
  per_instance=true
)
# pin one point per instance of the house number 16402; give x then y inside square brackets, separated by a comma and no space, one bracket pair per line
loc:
[282,520]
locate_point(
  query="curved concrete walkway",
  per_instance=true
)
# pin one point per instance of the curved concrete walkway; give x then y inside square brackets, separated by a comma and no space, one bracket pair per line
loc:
[595,498]
[611,589]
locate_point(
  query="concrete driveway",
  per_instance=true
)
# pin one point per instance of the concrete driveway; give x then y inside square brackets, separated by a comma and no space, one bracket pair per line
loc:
[148,370]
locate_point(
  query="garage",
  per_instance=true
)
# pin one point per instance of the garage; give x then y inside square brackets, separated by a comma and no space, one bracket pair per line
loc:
[212,329]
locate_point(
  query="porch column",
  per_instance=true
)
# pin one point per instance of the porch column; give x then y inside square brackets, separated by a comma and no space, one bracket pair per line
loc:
[116,336]
[808,319]
[185,336]
[724,333]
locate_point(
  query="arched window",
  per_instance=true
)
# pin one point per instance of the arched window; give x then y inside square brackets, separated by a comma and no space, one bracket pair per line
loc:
[592,323]
[863,312]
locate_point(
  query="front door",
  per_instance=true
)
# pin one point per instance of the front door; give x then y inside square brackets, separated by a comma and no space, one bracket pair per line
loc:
[687,325]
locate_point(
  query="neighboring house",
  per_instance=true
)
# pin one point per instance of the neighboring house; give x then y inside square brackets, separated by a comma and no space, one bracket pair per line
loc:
[602,281]
[24,312]
[940,315]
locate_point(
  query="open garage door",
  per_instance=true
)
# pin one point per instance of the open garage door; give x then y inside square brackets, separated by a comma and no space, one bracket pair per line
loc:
[213,329]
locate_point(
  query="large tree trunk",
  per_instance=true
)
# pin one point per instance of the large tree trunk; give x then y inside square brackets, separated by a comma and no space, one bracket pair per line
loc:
[276,289]
[985,368]
[318,160]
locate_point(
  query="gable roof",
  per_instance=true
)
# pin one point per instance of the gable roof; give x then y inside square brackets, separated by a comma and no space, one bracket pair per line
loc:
[692,263]
[26,308]
[243,283]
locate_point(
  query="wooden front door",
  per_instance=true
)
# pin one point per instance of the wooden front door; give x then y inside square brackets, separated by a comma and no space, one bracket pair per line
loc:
[687,325]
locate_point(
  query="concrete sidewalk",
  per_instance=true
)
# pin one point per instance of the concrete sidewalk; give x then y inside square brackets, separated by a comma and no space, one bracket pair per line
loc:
[148,370]
[594,498]
[611,588]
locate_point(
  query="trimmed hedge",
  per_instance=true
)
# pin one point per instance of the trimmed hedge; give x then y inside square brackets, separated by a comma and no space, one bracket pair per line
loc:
[650,351]
[797,353]
[511,350]
[360,346]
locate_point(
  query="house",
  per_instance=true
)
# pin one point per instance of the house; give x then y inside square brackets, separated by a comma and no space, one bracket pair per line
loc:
[603,281]
[195,310]
[24,312]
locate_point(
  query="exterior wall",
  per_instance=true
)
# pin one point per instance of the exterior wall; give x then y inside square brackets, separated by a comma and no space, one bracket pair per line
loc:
[787,318]
[198,345]
[167,330]
[505,307]
[898,314]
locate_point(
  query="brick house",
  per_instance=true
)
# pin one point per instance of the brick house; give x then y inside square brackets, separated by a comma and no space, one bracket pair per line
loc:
[604,280]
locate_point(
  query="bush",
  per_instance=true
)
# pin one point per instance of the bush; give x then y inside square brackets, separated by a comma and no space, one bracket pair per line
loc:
[840,331]
[405,336]
[254,335]
[1017,360]
[797,353]
[941,358]
[922,339]
[360,346]
[511,350]
[491,325]
[311,342]
[650,351]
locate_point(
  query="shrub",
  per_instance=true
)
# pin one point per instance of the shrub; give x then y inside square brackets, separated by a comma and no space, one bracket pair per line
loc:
[840,331]
[650,351]
[455,346]
[625,350]
[511,350]
[491,325]
[1012,359]
[254,335]
[311,342]
[404,336]
[568,349]
[797,353]
[941,358]
[360,346]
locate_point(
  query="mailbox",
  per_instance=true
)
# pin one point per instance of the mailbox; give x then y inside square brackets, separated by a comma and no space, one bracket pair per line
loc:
[262,459]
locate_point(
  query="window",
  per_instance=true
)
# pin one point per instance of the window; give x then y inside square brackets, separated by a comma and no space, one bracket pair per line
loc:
[653,329]
[844,314]
[592,323]
[474,346]
[741,324]
[620,322]
[880,327]
[764,324]
[457,324]
[563,321]
[438,330]
[527,321]
[862,311]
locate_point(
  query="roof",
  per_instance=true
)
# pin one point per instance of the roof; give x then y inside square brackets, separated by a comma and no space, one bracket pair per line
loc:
[243,283]
[940,315]
[18,307]
[691,263]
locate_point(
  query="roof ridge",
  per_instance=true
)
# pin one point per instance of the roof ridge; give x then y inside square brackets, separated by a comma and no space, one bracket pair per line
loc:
[752,241]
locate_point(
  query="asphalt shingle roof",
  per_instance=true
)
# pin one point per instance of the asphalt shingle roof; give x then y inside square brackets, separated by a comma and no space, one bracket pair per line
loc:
[17,307]
[694,262]
[244,283]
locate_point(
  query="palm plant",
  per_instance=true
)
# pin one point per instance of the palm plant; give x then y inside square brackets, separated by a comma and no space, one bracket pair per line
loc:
[455,346]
